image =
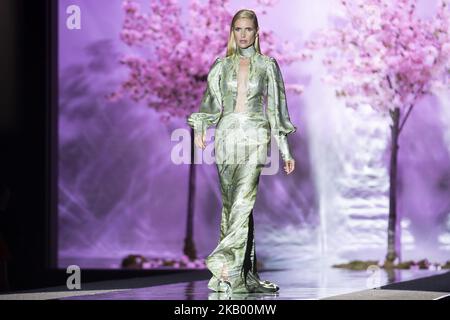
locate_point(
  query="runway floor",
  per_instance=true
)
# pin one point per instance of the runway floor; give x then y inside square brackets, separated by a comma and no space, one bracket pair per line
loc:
[295,284]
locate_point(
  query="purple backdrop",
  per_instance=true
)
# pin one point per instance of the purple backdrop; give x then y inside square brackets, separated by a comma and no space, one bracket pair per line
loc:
[120,193]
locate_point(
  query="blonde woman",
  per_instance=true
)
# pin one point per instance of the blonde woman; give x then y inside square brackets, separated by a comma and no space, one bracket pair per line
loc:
[237,88]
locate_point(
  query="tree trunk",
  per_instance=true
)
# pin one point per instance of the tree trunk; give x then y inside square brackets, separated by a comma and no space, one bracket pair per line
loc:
[393,242]
[189,245]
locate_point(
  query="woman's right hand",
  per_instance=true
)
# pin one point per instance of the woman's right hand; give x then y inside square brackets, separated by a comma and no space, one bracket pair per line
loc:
[199,141]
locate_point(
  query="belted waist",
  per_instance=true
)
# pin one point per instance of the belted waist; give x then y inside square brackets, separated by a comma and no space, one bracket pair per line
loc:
[253,114]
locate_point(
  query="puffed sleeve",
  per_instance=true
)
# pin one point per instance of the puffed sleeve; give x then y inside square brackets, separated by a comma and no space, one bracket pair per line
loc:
[211,104]
[277,111]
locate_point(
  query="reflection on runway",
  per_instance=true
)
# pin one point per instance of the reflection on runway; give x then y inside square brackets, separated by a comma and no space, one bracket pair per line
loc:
[302,283]
[312,280]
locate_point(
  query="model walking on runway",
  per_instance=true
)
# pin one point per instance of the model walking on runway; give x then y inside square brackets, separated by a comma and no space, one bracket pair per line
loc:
[238,87]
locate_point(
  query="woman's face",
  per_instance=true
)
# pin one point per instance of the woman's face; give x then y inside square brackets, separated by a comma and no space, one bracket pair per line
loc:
[244,32]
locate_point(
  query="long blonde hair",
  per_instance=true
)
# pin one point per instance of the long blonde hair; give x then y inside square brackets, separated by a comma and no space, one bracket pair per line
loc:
[244,13]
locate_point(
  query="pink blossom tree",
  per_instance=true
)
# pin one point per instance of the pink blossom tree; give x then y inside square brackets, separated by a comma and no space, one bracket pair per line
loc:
[177,50]
[386,56]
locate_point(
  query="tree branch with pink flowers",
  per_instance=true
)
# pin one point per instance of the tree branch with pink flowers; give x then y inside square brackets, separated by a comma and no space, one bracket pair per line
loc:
[177,50]
[385,55]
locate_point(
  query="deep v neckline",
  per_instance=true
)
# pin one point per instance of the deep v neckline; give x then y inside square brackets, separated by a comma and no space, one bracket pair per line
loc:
[237,67]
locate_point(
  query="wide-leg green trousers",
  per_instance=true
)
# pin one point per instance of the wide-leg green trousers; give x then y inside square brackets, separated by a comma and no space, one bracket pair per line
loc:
[241,143]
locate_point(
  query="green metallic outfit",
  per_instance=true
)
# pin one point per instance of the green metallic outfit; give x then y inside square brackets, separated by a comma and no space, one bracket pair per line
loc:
[241,142]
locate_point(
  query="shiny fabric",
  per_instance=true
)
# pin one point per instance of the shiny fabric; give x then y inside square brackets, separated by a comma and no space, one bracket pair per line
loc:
[241,142]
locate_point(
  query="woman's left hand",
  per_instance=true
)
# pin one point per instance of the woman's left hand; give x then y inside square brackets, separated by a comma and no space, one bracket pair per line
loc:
[289,166]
